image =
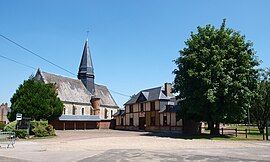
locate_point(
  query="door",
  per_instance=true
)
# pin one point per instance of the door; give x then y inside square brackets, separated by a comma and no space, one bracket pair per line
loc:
[142,123]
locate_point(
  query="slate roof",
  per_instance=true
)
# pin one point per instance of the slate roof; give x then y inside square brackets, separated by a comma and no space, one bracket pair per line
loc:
[68,89]
[149,94]
[105,96]
[79,118]
[120,113]
[86,65]
[73,90]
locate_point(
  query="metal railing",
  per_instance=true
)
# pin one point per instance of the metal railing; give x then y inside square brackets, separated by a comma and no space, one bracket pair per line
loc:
[7,138]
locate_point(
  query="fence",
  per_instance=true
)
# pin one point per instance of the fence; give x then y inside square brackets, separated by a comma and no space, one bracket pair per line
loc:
[235,131]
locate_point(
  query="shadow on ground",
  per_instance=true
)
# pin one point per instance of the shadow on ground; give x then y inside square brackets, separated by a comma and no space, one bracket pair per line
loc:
[184,136]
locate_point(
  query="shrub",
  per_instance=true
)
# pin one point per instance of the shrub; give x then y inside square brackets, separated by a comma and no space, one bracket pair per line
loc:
[42,129]
[50,130]
[10,127]
[20,133]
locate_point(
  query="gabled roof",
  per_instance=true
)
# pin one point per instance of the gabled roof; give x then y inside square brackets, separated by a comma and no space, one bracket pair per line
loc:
[73,90]
[79,118]
[68,89]
[149,94]
[105,96]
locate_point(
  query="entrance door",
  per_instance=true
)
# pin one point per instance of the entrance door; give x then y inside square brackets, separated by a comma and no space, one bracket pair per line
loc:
[142,123]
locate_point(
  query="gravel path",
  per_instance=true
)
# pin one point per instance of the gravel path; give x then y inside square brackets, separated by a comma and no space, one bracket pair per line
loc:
[111,145]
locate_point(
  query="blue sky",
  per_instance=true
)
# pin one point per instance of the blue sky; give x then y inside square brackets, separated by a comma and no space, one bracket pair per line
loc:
[133,43]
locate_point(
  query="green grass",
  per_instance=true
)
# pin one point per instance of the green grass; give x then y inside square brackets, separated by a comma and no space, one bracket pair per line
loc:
[252,133]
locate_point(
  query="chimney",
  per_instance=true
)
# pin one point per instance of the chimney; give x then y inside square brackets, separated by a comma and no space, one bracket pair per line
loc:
[168,89]
[95,101]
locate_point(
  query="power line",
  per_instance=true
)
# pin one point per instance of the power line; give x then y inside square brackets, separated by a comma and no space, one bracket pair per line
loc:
[4,57]
[30,51]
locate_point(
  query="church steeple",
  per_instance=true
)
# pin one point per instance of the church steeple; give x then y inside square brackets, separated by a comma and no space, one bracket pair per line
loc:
[86,70]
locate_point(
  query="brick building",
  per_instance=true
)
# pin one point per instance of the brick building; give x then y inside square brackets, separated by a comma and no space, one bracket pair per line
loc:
[4,109]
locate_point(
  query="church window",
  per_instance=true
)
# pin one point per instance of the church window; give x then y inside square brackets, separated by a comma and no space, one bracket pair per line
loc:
[82,111]
[91,111]
[111,113]
[73,110]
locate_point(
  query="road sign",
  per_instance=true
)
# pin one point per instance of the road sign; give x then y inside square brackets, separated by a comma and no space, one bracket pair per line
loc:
[18,116]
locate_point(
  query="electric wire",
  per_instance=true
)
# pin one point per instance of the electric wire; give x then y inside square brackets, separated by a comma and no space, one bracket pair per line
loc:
[37,55]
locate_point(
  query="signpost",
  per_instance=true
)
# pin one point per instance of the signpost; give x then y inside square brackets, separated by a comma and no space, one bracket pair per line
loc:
[22,122]
[18,116]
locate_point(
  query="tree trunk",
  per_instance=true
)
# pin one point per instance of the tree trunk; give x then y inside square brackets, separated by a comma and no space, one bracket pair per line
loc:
[261,126]
[215,129]
[210,125]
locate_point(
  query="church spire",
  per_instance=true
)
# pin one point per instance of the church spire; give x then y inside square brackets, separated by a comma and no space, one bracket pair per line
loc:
[86,69]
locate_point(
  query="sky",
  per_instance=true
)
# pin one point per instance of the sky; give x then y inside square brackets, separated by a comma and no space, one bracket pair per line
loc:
[133,42]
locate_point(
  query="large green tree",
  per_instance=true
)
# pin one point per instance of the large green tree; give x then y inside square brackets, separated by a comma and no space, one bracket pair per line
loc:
[215,77]
[260,103]
[36,100]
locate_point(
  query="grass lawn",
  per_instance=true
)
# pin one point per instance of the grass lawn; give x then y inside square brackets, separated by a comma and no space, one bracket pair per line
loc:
[252,133]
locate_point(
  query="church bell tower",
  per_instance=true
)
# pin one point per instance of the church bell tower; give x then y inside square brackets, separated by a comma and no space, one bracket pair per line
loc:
[86,70]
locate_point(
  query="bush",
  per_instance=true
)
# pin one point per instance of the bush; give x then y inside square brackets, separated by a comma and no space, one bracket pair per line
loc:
[10,127]
[21,133]
[50,130]
[42,129]
[2,125]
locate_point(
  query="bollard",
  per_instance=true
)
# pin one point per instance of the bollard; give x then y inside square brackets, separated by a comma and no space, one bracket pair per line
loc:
[236,132]
[246,132]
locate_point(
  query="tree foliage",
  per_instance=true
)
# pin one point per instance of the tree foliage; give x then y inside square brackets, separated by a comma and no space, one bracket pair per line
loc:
[216,75]
[36,100]
[260,104]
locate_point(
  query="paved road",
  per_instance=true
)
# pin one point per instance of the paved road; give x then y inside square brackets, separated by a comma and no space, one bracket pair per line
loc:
[110,145]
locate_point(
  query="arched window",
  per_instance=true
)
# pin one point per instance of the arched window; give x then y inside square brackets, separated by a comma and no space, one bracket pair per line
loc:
[82,111]
[111,113]
[64,111]
[73,110]
[91,111]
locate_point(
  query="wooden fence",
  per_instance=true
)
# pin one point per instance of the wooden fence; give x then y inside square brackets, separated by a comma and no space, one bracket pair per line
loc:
[235,131]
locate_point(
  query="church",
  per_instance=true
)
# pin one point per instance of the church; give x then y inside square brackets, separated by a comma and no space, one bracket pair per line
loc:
[86,105]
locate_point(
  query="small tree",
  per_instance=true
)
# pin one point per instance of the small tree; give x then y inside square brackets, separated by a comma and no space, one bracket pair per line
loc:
[215,77]
[36,100]
[260,105]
